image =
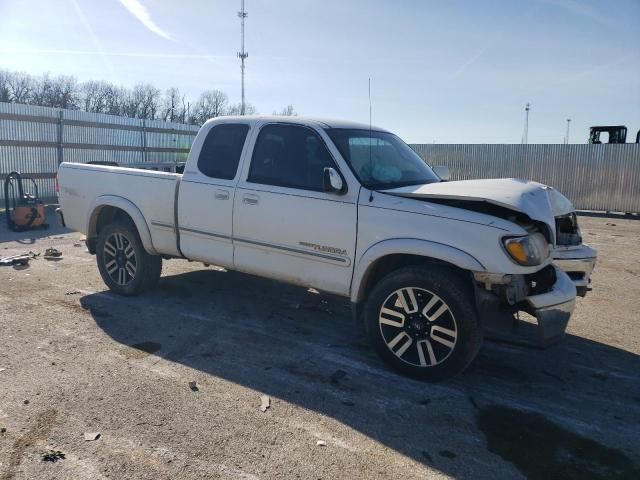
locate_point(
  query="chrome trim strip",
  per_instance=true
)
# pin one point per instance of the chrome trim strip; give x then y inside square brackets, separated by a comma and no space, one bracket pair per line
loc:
[344,260]
[162,225]
[202,232]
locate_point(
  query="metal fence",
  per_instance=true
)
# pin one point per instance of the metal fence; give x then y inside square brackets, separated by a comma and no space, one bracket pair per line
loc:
[593,177]
[35,140]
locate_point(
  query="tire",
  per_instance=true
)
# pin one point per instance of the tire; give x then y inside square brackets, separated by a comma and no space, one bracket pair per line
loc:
[423,322]
[125,266]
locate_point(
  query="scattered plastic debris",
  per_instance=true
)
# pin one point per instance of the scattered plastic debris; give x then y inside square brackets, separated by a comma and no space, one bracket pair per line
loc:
[194,386]
[91,437]
[52,456]
[321,443]
[265,402]
[52,254]
[2,369]
[18,260]
[73,292]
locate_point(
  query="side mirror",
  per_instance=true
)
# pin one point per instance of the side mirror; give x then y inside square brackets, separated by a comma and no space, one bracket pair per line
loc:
[332,181]
[443,172]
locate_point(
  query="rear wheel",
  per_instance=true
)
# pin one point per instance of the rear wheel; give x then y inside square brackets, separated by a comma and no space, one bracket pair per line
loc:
[422,322]
[125,266]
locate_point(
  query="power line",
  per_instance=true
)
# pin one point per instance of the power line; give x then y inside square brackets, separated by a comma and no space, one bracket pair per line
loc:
[242,55]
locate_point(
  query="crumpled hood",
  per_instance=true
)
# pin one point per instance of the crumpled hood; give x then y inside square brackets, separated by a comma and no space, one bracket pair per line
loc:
[537,201]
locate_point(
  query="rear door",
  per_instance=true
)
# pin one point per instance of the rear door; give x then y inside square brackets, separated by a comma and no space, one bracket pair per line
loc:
[285,225]
[205,202]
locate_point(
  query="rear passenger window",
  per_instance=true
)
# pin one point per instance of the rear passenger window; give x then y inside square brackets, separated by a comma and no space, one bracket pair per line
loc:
[289,156]
[221,151]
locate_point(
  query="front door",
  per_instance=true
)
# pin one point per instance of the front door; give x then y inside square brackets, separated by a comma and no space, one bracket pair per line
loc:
[285,224]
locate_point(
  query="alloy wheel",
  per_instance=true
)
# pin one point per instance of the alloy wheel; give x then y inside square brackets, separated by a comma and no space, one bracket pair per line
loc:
[418,327]
[120,259]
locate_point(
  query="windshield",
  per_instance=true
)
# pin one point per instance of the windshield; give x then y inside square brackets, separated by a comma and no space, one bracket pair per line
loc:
[381,160]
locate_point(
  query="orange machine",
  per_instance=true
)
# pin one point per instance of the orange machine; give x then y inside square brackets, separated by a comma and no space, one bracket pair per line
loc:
[24,210]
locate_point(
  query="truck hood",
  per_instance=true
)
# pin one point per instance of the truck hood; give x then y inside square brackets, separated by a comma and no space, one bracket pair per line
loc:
[537,201]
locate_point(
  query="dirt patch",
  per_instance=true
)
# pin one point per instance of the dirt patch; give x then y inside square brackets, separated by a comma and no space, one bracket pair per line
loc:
[39,431]
[543,450]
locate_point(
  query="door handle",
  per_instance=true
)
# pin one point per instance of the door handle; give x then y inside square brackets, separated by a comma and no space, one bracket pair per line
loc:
[222,194]
[250,199]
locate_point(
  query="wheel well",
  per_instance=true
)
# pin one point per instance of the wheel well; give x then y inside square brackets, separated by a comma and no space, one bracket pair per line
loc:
[389,263]
[105,215]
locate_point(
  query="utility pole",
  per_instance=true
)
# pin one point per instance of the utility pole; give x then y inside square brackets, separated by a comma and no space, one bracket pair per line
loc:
[525,134]
[242,55]
[566,136]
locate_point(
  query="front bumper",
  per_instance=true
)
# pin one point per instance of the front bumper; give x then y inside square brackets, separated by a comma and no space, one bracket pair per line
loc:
[553,309]
[578,262]
[550,310]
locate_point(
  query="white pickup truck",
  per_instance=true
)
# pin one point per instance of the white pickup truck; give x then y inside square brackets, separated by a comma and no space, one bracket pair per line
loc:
[429,265]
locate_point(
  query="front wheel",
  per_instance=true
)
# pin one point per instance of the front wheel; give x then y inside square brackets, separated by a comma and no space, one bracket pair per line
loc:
[422,321]
[125,266]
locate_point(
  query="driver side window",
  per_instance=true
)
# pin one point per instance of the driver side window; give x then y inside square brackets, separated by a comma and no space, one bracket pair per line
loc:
[289,156]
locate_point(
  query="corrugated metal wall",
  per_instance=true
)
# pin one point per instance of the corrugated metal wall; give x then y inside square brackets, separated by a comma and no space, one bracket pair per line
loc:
[34,140]
[593,177]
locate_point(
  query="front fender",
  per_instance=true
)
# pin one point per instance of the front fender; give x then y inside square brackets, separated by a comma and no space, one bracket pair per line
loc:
[127,206]
[408,246]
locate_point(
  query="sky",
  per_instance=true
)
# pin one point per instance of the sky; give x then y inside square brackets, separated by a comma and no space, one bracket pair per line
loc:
[458,71]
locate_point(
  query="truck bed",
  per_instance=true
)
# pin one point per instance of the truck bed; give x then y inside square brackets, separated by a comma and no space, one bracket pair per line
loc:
[151,192]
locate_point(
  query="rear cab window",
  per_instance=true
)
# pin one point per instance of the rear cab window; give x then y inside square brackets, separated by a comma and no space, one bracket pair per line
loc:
[221,151]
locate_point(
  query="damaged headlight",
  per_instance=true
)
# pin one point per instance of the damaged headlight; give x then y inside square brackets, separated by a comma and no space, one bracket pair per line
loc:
[529,250]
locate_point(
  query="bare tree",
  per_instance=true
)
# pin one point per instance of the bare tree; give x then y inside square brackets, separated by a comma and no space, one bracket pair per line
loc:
[20,87]
[210,104]
[5,91]
[142,101]
[287,111]
[64,93]
[172,106]
[236,109]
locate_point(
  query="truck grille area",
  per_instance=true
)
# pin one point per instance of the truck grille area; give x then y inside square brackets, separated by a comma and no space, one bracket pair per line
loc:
[542,281]
[567,230]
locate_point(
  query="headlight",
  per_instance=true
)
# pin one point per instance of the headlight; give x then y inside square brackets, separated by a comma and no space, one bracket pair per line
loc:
[529,250]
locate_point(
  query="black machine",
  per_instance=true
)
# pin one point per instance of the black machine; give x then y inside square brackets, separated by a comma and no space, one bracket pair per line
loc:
[24,210]
[613,134]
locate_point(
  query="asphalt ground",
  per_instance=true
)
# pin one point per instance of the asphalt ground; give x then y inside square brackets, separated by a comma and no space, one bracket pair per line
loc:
[76,359]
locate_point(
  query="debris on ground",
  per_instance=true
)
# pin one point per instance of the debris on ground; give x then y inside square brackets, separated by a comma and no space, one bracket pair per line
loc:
[73,292]
[3,430]
[194,386]
[611,224]
[321,443]
[265,402]
[337,376]
[91,437]
[22,259]
[52,253]
[26,402]
[77,244]
[2,369]
[52,456]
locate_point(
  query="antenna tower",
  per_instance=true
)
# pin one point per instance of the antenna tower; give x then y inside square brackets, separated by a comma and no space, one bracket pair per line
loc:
[525,134]
[242,55]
